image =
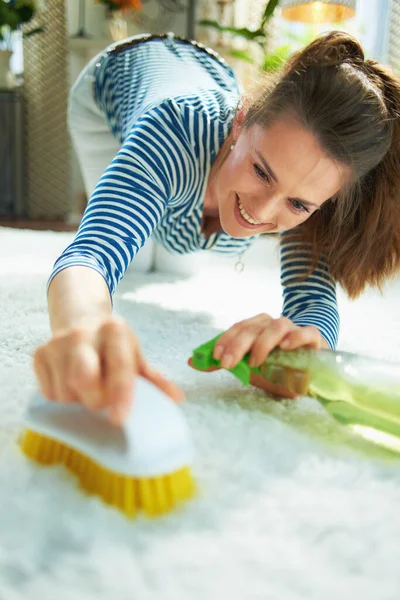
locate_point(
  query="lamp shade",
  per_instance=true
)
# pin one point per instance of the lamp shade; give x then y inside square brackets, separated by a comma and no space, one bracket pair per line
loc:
[325,11]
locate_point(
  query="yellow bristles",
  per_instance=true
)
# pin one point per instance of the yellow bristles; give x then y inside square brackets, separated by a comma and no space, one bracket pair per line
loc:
[154,496]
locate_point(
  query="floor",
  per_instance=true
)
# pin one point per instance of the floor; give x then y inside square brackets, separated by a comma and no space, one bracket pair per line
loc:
[41,225]
[290,505]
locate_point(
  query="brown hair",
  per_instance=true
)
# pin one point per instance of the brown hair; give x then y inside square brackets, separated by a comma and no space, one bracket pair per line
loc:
[352,106]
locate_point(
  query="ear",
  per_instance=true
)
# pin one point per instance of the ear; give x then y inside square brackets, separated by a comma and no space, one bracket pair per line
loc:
[240,118]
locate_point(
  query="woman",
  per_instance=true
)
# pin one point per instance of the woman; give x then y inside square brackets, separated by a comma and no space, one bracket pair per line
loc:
[315,156]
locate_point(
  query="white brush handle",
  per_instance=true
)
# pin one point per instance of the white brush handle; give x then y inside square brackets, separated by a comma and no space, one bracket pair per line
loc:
[154,440]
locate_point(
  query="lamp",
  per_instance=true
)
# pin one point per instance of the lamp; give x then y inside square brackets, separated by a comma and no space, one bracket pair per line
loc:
[325,11]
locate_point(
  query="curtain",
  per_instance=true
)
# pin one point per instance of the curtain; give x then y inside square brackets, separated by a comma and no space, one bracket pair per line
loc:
[394,35]
[46,94]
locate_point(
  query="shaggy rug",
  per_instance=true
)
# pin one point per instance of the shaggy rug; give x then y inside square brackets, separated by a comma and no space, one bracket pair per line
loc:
[290,505]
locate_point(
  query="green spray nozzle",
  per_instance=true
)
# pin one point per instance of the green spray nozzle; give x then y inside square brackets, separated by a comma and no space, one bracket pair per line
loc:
[202,359]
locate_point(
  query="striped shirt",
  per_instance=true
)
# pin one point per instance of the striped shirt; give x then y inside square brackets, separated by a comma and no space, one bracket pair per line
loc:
[171,106]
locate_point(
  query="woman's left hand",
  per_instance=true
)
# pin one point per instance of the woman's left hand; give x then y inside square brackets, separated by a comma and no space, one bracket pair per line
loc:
[260,335]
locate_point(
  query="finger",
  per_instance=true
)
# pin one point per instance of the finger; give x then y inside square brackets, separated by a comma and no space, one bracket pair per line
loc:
[62,391]
[43,375]
[225,340]
[56,362]
[84,377]
[241,339]
[165,385]
[268,340]
[230,334]
[118,368]
[302,336]
[208,370]
[239,346]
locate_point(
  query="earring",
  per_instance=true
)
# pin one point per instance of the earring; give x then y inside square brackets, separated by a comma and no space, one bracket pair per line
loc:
[232,146]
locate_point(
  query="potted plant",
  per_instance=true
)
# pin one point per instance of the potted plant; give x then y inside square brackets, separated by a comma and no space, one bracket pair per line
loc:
[13,14]
[116,12]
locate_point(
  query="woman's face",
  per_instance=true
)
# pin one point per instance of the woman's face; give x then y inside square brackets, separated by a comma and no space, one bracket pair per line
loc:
[273,179]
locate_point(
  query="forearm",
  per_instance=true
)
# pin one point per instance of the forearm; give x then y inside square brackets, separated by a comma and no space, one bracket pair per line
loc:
[308,298]
[77,295]
[324,317]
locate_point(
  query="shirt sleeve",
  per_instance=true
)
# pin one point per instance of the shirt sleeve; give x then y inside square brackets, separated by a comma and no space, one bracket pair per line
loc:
[309,301]
[132,196]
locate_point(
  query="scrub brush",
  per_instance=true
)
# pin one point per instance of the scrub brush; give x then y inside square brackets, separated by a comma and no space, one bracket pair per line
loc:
[143,465]
[361,393]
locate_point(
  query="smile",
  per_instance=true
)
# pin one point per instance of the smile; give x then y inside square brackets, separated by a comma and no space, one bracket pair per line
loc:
[245,215]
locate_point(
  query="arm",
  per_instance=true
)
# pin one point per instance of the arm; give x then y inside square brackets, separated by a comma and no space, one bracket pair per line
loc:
[94,357]
[311,301]
[77,295]
[131,198]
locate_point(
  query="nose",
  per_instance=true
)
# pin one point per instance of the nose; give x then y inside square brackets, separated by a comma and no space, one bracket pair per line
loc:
[268,209]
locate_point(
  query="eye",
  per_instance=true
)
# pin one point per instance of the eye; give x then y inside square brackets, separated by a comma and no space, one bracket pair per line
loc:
[261,174]
[298,207]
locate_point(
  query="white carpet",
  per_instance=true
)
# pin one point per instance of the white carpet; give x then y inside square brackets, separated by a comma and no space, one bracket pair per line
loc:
[291,506]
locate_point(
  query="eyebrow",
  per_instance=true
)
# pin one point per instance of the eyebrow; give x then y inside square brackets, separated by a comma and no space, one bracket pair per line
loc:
[274,177]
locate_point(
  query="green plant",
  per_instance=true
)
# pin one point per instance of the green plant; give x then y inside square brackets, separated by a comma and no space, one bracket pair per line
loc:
[13,14]
[258,36]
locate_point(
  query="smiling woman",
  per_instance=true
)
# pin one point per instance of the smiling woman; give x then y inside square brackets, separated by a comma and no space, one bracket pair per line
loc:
[166,152]
[262,185]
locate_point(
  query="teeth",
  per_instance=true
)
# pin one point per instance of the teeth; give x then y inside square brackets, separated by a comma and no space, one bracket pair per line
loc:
[246,216]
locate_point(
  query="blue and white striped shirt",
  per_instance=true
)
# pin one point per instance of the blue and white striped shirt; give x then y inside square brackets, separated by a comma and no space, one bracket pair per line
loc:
[171,106]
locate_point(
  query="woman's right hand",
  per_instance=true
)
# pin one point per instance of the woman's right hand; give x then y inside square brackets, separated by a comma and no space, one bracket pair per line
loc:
[96,365]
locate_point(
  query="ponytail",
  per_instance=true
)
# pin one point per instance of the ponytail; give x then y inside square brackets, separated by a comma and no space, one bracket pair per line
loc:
[330,50]
[352,106]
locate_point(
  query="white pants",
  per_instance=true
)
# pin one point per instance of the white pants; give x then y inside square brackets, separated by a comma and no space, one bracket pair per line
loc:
[95,145]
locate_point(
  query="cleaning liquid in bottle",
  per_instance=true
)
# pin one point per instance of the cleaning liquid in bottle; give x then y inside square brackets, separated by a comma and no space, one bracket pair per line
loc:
[360,392]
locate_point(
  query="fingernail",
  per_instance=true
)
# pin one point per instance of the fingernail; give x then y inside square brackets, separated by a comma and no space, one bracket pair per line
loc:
[252,362]
[227,361]
[218,352]
[118,414]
